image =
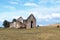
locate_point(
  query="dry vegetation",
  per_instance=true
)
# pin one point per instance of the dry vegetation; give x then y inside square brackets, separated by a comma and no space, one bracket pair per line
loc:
[41,33]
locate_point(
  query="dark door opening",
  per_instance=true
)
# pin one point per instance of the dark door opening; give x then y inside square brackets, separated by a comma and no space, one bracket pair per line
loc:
[31,24]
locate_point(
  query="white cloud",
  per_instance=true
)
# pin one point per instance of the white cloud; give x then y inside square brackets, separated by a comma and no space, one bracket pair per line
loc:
[50,16]
[30,4]
[44,17]
[49,2]
[1,20]
[9,7]
[41,25]
[13,2]
[46,13]
[55,14]
[58,1]
[15,14]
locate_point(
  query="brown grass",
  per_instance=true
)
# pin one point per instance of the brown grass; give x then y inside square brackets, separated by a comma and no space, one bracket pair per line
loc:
[41,33]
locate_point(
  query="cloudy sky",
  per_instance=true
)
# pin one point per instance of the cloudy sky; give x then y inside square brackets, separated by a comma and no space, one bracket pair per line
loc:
[45,11]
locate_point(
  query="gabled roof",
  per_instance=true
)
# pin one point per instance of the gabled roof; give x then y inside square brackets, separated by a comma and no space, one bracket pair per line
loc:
[19,18]
[30,16]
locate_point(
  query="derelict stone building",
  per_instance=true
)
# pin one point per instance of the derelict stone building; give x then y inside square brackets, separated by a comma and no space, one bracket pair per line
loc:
[30,22]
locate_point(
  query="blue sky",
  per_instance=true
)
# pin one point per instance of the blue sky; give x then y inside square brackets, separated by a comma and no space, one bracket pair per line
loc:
[45,11]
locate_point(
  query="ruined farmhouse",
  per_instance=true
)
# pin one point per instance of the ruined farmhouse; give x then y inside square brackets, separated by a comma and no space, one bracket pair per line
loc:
[28,23]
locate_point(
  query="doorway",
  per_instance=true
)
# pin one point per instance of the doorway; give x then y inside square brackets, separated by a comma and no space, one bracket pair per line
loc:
[31,24]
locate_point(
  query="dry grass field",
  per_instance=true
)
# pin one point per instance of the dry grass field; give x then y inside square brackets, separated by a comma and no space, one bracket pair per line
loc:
[41,33]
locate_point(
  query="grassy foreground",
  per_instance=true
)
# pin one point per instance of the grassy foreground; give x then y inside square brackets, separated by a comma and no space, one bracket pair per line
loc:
[41,33]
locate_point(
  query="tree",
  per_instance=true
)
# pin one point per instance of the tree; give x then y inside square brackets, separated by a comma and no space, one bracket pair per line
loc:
[14,20]
[6,24]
